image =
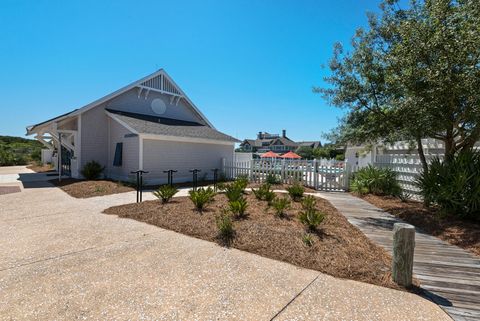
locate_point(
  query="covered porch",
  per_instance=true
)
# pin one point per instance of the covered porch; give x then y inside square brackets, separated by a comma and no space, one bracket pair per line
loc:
[61,138]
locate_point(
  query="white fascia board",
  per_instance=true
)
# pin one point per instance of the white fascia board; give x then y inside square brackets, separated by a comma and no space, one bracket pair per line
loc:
[121,122]
[186,139]
[123,90]
[188,100]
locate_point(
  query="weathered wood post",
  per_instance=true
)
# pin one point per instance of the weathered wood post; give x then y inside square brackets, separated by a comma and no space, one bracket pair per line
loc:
[403,248]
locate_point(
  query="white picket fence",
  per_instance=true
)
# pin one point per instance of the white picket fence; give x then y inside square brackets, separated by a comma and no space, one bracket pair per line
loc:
[323,175]
[407,167]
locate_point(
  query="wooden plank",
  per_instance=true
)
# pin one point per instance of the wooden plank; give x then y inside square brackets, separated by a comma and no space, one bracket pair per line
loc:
[446,271]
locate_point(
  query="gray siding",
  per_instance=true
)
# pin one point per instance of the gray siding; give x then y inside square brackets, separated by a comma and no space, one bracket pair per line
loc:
[130,153]
[160,155]
[130,102]
[94,144]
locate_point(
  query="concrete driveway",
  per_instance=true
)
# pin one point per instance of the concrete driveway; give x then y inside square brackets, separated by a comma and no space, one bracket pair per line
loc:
[62,259]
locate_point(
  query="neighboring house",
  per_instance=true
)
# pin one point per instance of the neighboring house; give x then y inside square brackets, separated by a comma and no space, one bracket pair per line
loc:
[312,144]
[150,124]
[274,142]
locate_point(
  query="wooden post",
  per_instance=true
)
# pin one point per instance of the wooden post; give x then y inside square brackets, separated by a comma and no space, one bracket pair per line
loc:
[403,248]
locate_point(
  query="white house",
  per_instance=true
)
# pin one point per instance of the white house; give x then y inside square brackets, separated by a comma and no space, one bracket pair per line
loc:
[150,124]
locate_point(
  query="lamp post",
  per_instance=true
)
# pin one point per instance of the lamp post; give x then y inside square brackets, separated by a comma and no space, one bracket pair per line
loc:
[170,176]
[215,178]
[195,177]
[139,183]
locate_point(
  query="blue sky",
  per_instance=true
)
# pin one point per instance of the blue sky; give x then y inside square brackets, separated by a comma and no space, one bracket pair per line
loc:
[248,65]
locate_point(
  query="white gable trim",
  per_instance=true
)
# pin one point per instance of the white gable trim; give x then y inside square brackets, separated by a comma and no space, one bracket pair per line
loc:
[122,90]
[121,122]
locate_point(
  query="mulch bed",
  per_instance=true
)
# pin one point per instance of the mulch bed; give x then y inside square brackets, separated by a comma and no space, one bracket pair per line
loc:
[85,189]
[465,234]
[339,248]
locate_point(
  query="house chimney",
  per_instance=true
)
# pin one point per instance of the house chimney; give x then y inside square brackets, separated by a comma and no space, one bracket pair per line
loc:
[260,135]
[284,133]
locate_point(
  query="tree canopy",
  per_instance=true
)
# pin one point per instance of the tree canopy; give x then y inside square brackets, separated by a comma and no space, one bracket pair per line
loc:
[413,73]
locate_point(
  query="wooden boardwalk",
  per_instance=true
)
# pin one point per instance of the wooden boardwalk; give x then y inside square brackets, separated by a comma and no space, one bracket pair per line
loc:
[449,275]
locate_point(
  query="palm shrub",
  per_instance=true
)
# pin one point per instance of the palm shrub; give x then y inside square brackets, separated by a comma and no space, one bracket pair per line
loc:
[309,202]
[225,225]
[311,218]
[201,197]
[165,193]
[269,197]
[307,239]
[272,179]
[261,191]
[241,182]
[453,185]
[233,192]
[377,181]
[280,205]
[296,191]
[238,207]
[92,170]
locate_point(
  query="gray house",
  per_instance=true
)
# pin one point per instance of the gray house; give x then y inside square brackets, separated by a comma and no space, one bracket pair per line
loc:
[269,142]
[150,124]
[274,142]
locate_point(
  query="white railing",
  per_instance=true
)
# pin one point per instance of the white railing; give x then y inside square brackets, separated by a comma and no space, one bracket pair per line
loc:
[327,175]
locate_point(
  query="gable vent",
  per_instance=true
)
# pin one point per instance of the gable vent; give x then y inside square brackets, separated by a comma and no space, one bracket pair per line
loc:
[162,84]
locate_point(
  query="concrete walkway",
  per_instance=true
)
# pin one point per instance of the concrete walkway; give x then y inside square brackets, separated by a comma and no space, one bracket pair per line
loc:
[62,259]
[450,275]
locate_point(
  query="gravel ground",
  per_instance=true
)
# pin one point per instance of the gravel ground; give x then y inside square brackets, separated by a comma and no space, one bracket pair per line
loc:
[62,260]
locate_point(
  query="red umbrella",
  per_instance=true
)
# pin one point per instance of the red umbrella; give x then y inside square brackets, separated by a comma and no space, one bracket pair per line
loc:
[270,154]
[291,155]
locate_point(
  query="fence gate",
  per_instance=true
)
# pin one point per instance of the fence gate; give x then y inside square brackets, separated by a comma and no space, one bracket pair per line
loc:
[325,175]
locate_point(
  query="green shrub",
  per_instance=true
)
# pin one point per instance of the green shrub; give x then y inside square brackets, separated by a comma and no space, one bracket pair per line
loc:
[225,225]
[377,181]
[296,191]
[309,202]
[311,218]
[241,182]
[165,193]
[280,205]
[307,239]
[269,197]
[92,170]
[340,157]
[233,192]
[454,185]
[235,189]
[238,207]
[272,179]
[261,191]
[201,197]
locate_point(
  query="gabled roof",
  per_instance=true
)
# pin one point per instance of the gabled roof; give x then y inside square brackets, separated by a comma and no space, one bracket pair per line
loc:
[284,141]
[144,124]
[159,81]
[313,144]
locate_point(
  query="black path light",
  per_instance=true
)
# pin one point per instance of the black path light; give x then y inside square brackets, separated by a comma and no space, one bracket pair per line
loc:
[170,176]
[195,177]
[139,183]
[215,178]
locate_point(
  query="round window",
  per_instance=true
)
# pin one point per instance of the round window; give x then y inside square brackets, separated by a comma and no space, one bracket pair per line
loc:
[158,106]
